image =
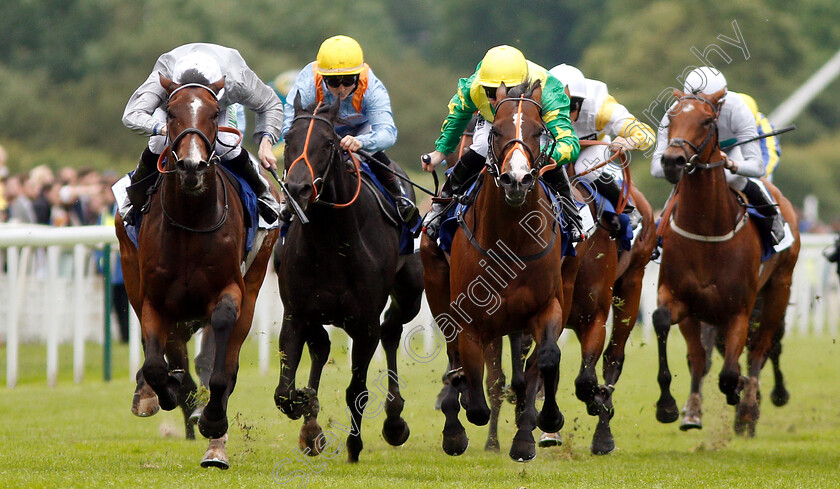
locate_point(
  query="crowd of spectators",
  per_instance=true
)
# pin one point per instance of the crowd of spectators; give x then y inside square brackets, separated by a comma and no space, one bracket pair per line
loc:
[68,197]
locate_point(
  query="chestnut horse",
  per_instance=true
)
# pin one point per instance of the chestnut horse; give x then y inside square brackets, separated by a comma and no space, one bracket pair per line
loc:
[186,271]
[707,227]
[340,268]
[531,295]
[600,277]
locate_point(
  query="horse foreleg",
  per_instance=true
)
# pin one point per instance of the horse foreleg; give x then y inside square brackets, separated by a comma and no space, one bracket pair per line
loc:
[394,429]
[495,389]
[213,422]
[292,337]
[155,370]
[666,406]
[598,398]
[730,381]
[310,440]
[625,307]
[357,395]
[176,352]
[546,329]
[204,368]
[691,331]
[472,360]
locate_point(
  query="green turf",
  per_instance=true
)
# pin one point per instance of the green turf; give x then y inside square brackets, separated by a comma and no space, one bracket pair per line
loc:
[85,436]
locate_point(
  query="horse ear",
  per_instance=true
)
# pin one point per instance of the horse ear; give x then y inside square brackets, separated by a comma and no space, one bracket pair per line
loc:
[715,97]
[218,86]
[333,113]
[297,105]
[536,90]
[501,92]
[167,84]
[678,94]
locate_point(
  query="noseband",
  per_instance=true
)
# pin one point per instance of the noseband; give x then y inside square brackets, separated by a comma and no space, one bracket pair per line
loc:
[319,182]
[540,164]
[691,160]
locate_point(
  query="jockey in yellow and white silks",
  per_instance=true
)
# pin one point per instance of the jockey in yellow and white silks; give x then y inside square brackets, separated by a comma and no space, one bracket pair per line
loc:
[771,149]
[502,64]
[597,116]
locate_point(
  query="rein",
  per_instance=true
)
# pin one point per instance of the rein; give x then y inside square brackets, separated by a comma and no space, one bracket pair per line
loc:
[304,156]
[205,230]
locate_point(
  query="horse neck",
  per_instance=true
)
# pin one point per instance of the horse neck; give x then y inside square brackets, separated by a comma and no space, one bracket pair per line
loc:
[340,189]
[707,206]
[496,220]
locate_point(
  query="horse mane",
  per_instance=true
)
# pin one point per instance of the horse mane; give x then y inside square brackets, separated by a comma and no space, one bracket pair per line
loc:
[194,76]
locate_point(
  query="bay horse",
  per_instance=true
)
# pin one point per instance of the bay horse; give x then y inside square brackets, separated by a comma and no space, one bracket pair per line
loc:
[704,227]
[339,269]
[186,271]
[528,297]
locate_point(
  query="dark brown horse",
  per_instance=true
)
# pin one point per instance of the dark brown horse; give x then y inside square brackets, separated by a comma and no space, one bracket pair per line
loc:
[504,279]
[340,269]
[186,271]
[709,227]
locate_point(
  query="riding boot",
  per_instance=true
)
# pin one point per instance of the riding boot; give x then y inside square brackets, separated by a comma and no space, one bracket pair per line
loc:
[558,180]
[267,205]
[764,204]
[144,176]
[611,189]
[405,206]
[462,172]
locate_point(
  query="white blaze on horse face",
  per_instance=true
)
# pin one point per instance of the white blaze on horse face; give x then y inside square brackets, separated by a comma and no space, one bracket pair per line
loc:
[519,163]
[194,150]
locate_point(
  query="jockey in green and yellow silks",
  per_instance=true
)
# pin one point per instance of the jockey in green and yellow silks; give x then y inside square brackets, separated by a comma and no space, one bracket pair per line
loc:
[502,64]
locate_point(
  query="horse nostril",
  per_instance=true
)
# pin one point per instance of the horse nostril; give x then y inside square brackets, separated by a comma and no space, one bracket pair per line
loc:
[505,180]
[674,160]
[527,180]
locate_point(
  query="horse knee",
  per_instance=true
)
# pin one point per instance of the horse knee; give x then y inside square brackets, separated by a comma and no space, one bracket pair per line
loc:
[661,320]
[224,314]
[548,357]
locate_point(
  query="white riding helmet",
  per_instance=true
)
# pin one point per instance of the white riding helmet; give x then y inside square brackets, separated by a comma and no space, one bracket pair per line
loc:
[196,62]
[572,78]
[706,81]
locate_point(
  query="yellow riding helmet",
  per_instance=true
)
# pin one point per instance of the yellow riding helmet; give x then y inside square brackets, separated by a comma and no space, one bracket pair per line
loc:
[503,64]
[340,55]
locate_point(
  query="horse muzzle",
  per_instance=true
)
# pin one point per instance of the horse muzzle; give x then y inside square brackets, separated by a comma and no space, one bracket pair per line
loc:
[516,187]
[192,173]
[673,164]
[302,193]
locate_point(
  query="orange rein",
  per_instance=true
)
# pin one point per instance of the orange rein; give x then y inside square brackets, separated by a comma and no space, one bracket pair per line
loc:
[625,169]
[304,156]
[160,163]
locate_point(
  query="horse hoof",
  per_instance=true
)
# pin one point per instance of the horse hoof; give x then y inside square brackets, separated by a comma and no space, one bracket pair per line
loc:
[551,422]
[310,440]
[780,396]
[550,440]
[215,455]
[691,423]
[144,407]
[456,444]
[195,415]
[354,448]
[395,431]
[523,448]
[666,411]
[603,446]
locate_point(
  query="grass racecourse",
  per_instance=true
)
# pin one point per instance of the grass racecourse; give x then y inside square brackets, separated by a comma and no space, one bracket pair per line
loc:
[85,435]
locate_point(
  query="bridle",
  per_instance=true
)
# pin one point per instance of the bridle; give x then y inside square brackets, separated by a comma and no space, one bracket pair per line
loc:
[212,160]
[691,160]
[539,165]
[319,181]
